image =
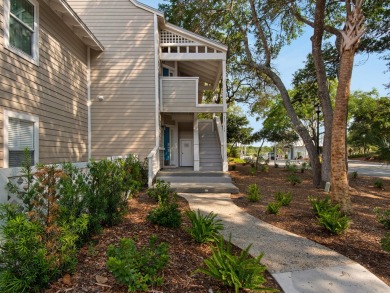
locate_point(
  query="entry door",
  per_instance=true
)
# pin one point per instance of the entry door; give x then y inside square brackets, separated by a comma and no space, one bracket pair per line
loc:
[187,153]
[167,146]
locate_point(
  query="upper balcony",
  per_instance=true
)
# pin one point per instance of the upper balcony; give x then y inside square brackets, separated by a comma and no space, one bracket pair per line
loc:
[183,95]
[193,68]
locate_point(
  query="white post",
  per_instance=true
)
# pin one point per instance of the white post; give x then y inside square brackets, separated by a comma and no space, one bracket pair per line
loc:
[89,102]
[196,143]
[225,162]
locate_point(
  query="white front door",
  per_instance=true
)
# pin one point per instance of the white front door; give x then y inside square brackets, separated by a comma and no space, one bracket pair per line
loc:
[187,152]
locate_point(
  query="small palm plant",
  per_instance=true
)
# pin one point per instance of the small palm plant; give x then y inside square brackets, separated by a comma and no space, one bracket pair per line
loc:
[204,228]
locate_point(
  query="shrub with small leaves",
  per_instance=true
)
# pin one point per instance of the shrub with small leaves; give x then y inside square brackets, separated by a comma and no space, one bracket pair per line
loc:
[284,198]
[252,171]
[294,179]
[264,168]
[292,168]
[304,167]
[383,217]
[166,215]
[161,191]
[204,228]
[378,183]
[385,242]
[237,271]
[138,268]
[354,175]
[253,193]
[274,207]
[234,167]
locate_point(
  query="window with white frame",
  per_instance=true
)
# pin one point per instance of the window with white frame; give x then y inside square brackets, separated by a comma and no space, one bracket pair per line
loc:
[21,27]
[21,132]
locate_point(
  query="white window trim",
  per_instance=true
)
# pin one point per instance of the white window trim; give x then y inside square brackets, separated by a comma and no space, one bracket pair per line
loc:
[35,46]
[9,114]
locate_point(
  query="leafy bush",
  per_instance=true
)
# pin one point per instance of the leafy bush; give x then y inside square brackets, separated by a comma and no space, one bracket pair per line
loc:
[205,228]
[334,221]
[233,167]
[284,198]
[161,192]
[378,183]
[304,167]
[137,268]
[238,271]
[274,207]
[354,175]
[329,215]
[385,242]
[165,215]
[253,193]
[264,168]
[135,174]
[294,179]
[320,205]
[292,168]
[252,170]
[383,217]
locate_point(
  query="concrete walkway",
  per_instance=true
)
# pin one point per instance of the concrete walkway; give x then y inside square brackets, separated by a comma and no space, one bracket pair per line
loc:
[299,265]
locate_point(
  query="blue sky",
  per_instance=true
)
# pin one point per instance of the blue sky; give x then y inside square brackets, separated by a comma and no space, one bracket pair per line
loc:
[368,72]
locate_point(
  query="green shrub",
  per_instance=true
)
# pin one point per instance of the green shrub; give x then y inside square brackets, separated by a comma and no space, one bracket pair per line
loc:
[385,242]
[320,205]
[354,175]
[252,170]
[234,167]
[253,193]
[204,228]
[264,168]
[135,174]
[292,168]
[383,217]
[294,179]
[137,268]
[304,167]
[334,221]
[378,183]
[274,207]
[165,215]
[161,192]
[237,271]
[284,198]
[329,215]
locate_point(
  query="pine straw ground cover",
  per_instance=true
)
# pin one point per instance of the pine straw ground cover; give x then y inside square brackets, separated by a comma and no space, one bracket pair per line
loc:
[185,256]
[360,243]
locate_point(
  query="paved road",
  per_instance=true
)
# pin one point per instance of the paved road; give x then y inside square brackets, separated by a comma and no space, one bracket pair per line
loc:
[369,168]
[362,167]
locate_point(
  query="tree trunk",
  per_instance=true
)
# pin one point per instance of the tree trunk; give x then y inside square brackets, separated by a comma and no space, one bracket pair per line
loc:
[339,176]
[258,153]
[323,90]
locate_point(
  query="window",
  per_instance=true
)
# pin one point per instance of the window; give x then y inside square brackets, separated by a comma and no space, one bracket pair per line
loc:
[21,131]
[21,28]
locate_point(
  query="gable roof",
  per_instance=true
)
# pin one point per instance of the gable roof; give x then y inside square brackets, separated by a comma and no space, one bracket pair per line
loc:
[73,21]
[147,8]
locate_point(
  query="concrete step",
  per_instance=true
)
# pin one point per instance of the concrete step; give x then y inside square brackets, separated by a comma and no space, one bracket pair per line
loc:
[211,164]
[193,179]
[208,169]
[204,187]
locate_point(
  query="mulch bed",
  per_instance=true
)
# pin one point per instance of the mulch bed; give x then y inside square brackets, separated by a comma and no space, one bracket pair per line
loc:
[360,243]
[185,256]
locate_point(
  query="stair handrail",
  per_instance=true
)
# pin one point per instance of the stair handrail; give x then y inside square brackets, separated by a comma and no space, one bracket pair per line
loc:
[153,165]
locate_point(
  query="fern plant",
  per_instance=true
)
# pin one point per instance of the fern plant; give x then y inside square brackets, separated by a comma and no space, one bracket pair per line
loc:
[274,207]
[284,198]
[254,193]
[383,217]
[237,271]
[204,228]
[294,179]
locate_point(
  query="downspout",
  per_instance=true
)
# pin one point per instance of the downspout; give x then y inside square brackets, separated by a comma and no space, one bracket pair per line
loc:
[156,63]
[89,102]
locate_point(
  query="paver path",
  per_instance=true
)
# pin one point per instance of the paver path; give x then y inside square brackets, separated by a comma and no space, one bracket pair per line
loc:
[299,265]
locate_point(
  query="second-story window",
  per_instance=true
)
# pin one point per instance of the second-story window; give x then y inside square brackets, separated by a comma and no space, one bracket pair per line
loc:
[22,27]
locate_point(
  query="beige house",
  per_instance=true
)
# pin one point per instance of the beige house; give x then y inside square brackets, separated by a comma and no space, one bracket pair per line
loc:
[113,79]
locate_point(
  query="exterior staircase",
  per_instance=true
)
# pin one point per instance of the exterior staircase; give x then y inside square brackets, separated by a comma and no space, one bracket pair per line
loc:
[185,180]
[209,147]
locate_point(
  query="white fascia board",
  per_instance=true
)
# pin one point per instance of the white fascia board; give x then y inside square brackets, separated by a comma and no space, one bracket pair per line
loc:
[82,31]
[147,8]
[192,56]
[195,37]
